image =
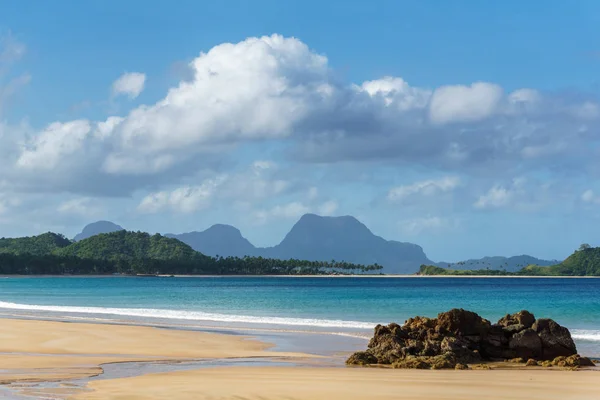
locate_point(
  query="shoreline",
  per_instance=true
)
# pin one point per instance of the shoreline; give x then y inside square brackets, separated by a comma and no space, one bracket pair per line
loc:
[64,357]
[312,276]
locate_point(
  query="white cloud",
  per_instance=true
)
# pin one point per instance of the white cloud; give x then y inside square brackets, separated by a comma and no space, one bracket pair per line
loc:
[461,103]
[130,84]
[54,144]
[424,188]
[525,96]
[186,199]
[276,90]
[255,184]
[82,206]
[498,196]
[258,183]
[396,91]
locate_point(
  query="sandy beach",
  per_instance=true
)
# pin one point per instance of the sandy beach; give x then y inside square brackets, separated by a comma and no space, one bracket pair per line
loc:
[48,350]
[55,351]
[292,383]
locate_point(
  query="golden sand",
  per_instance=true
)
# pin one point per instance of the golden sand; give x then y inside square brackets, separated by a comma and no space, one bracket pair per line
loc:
[44,350]
[296,383]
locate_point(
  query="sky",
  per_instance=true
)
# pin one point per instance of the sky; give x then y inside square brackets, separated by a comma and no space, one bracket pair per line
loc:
[470,128]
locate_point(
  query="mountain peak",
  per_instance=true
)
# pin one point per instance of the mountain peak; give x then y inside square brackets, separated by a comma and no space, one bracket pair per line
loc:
[95,228]
[340,221]
[345,238]
[224,229]
[219,239]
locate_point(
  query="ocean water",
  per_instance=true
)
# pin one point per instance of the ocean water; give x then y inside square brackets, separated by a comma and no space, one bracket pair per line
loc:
[349,306]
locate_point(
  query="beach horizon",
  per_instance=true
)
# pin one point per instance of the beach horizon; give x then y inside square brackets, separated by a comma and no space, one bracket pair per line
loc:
[68,360]
[86,338]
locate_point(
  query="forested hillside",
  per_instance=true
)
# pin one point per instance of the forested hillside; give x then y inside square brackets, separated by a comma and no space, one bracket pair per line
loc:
[35,245]
[141,253]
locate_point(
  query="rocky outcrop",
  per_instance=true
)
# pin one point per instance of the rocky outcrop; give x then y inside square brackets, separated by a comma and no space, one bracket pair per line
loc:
[556,339]
[459,337]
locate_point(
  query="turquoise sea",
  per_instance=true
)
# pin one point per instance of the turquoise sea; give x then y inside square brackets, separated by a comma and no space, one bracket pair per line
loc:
[340,305]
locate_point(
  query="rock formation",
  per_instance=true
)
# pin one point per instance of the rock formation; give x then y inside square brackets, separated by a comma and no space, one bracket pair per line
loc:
[459,337]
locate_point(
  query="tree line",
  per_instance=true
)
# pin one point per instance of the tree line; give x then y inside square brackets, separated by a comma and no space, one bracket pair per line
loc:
[135,253]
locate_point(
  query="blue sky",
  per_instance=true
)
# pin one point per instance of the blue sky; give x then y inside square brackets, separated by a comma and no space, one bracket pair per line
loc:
[468,127]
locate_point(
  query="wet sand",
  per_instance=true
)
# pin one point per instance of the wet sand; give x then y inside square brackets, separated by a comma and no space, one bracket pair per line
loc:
[44,351]
[299,383]
[48,350]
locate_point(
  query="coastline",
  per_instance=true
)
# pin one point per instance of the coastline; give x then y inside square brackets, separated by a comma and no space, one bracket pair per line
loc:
[312,276]
[72,353]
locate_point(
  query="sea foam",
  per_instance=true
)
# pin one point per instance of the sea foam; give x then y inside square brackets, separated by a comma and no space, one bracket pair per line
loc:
[586,334]
[191,315]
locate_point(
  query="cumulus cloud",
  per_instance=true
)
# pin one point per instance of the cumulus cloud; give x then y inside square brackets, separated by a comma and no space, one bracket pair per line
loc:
[57,142]
[130,84]
[255,184]
[520,194]
[397,92]
[497,196]
[423,188]
[277,90]
[461,103]
[185,199]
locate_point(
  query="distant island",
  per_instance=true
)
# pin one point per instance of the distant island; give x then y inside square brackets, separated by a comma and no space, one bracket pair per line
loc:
[139,253]
[583,262]
[315,245]
[322,238]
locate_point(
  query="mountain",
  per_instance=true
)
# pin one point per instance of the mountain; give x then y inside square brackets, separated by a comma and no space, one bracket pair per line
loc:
[345,238]
[223,240]
[97,228]
[34,245]
[510,264]
[125,252]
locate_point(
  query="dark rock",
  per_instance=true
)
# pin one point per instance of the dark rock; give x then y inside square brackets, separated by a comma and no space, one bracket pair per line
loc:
[526,344]
[386,346]
[460,337]
[465,323]
[362,358]
[461,366]
[511,329]
[556,339]
[523,317]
